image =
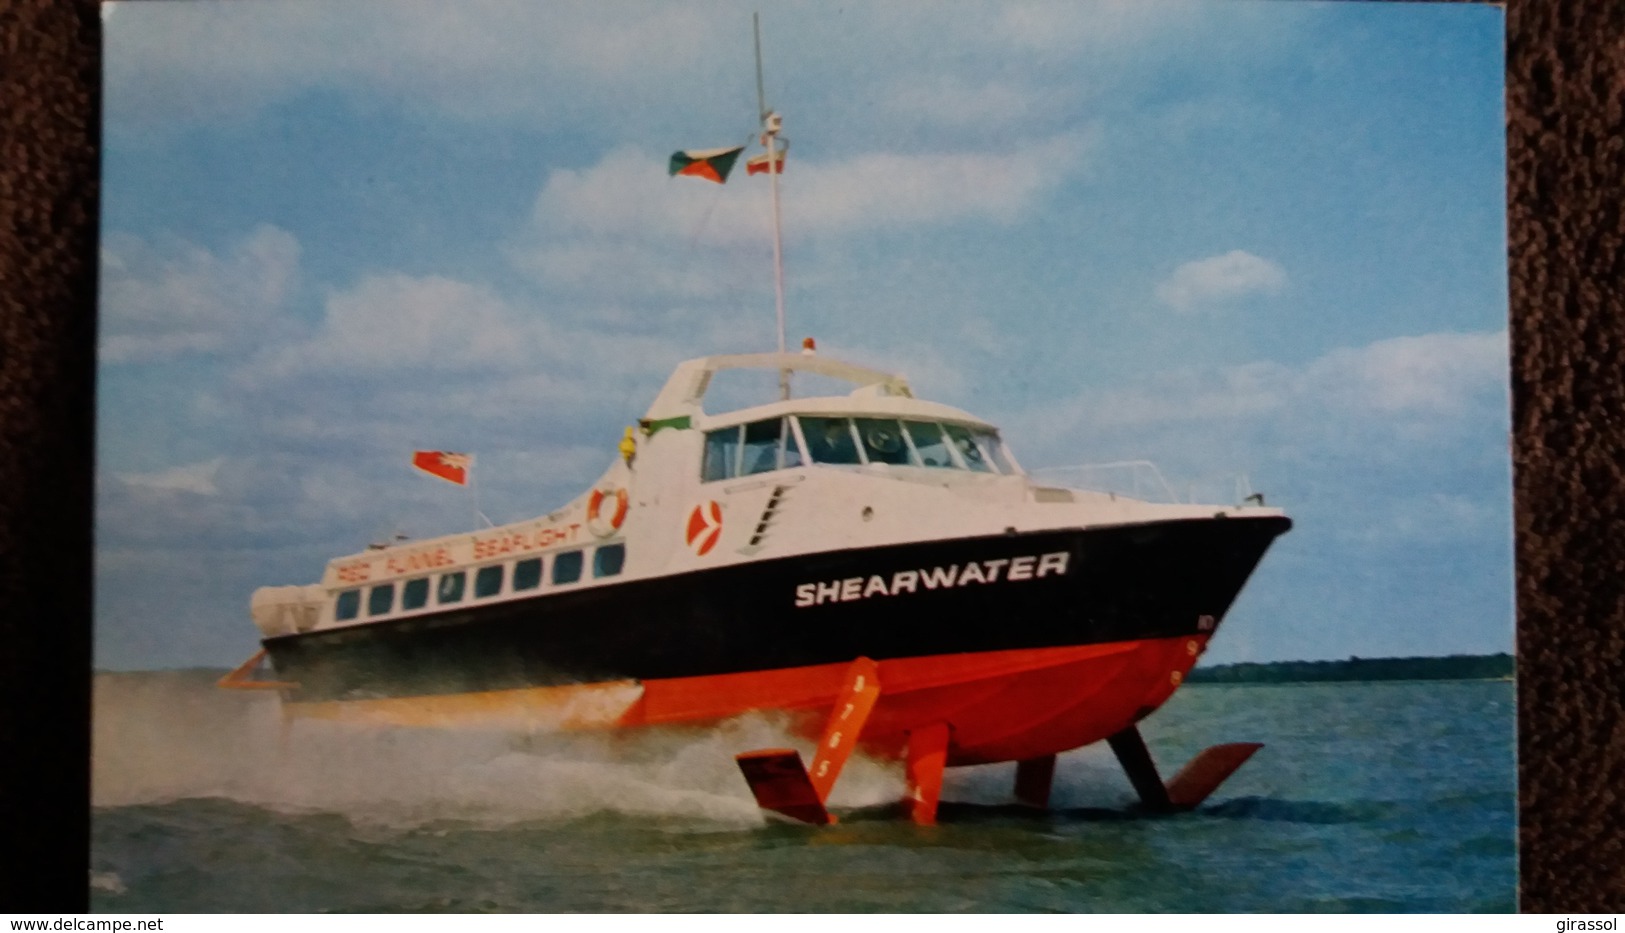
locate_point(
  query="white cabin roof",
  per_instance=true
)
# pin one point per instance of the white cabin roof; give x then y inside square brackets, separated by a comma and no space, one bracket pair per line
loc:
[858,404]
[685,390]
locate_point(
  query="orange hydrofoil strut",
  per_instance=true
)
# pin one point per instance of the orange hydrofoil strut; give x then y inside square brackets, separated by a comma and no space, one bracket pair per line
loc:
[782,784]
[776,775]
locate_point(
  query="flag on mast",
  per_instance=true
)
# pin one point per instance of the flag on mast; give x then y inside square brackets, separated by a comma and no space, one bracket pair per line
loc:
[762,164]
[451,467]
[710,164]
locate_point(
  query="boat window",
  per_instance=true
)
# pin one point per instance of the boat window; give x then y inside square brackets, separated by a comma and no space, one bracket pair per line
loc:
[829,440]
[415,594]
[883,440]
[381,599]
[348,605]
[994,450]
[968,451]
[930,443]
[488,581]
[567,567]
[451,587]
[608,560]
[721,454]
[769,445]
[527,574]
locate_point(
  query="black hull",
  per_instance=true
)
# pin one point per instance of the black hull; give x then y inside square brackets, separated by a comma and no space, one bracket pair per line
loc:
[1152,580]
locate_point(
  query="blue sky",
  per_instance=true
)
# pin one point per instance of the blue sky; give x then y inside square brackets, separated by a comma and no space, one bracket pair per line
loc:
[1227,237]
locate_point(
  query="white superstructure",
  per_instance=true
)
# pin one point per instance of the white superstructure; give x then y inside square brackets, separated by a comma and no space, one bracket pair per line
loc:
[702,490]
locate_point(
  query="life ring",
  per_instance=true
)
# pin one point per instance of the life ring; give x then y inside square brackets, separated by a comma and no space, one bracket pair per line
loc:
[599,523]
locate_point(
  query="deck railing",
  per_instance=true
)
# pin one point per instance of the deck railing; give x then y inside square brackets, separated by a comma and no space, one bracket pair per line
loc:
[1140,479]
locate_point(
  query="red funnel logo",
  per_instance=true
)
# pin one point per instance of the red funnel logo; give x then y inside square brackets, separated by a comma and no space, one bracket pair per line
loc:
[704,527]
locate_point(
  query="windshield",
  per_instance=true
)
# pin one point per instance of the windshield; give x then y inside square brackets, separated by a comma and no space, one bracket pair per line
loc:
[744,449]
[883,441]
[930,443]
[852,441]
[830,440]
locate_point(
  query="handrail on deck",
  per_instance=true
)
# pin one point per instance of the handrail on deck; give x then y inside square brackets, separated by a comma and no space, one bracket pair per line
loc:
[1145,481]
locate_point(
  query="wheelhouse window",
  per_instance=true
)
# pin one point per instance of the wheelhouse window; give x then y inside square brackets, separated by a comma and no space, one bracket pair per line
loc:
[567,567]
[930,444]
[527,574]
[883,440]
[747,449]
[451,587]
[769,445]
[721,455]
[415,594]
[381,599]
[993,450]
[348,605]
[830,440]
[969,453]
[608,560]
[848,441]
[488,581]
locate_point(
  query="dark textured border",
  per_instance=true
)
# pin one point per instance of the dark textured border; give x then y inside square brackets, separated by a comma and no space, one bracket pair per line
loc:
[50,120]
[1566,106]
[1566,157]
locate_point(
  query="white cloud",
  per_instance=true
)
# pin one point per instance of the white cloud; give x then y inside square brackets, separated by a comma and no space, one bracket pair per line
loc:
[175,63]
[253,498]
[1403,389]
[1204,282]
[177,299]
[950,100]
[195,478]
[1236,392]
[888,190]
[1436,373]
[1054,25]
[1119,28]
[399,322]
[435,327]
[401,362]
[590,225]
[472,59]
[628,193]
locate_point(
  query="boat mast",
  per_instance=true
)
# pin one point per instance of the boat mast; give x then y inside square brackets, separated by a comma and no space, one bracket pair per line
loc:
[772,123]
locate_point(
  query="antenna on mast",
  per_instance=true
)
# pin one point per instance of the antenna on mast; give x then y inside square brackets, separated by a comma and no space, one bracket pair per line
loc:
[772,123]
[761,96]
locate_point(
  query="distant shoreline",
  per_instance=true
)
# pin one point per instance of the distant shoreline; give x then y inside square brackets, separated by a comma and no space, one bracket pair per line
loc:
[1354,669]
[1357,669]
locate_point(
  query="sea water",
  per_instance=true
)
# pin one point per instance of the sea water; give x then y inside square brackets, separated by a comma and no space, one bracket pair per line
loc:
[1366,797]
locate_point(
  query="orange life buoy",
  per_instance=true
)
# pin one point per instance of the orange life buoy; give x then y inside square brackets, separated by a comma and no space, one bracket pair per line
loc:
[605,525]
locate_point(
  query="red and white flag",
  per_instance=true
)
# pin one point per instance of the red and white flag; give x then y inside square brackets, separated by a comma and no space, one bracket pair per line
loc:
[453,468]
[764,163]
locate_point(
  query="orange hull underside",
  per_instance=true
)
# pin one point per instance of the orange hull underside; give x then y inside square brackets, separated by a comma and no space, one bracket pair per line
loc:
[999,705]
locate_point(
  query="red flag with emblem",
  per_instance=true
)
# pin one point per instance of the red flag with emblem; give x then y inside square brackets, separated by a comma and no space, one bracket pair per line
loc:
[451,467]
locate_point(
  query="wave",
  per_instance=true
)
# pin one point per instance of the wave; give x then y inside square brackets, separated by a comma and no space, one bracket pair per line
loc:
[167,736]
[1266,809]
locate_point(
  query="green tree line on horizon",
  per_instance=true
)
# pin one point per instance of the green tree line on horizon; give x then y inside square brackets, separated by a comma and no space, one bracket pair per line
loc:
[1454,667]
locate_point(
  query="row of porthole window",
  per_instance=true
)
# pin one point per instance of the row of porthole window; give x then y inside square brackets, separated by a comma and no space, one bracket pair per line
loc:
[451,587]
